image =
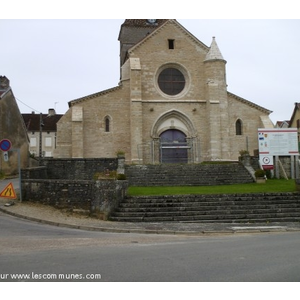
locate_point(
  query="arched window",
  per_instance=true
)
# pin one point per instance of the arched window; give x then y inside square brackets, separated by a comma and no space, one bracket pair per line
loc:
[107,124]
[238,127]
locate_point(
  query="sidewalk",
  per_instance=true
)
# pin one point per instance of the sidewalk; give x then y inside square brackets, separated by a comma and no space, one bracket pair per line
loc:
[53,216]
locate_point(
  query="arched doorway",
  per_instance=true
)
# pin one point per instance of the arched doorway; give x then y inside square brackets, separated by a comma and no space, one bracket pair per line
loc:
[173,147]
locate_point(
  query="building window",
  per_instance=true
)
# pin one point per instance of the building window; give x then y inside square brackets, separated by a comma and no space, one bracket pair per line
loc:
[171,81]
[48,154]
[32,142]
[171,44]
[238,127]
[48,142]
[107,124]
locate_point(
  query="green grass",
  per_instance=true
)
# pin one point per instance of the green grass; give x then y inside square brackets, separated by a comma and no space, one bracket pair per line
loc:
[271,186]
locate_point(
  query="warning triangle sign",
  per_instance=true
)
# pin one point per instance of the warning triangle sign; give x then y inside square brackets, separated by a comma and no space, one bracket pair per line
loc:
[8,192]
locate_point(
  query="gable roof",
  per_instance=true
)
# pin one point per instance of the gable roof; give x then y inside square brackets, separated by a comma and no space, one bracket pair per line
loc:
[296,108]
[282,124]
[159,28]
[32,121]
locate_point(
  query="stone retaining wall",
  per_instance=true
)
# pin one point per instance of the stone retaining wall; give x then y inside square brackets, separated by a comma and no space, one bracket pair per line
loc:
[69,184]
[78,168]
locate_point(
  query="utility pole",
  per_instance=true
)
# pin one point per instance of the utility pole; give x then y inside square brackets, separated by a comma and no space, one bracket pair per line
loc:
[40,139]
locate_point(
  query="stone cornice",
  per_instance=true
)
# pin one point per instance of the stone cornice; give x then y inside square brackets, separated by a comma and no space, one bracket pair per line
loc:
[249,103]
[76,101]
[170,101]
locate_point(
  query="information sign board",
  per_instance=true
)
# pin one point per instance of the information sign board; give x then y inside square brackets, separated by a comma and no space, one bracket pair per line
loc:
[278,141]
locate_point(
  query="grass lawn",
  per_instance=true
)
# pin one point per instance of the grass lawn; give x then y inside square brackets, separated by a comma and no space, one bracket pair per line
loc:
[271,186]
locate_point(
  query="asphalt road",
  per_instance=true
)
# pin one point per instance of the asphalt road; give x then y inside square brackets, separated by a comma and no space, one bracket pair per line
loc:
[35,252]
[5,182]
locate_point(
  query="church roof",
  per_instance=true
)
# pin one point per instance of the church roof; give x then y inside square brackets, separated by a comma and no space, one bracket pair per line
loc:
[95,95]
[143,22]
[162,24]
[267,111]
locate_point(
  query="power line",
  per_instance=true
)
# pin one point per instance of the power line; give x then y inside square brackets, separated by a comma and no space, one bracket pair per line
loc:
[27,105]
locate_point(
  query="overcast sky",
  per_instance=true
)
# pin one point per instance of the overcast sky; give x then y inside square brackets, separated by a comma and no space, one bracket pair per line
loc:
[51,62]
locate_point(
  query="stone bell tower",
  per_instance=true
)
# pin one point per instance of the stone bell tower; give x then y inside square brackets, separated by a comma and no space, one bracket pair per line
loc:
[217,103]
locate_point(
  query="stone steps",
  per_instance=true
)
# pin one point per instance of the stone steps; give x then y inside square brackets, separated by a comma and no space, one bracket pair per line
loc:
[211,208]
[187,174]
[266,207]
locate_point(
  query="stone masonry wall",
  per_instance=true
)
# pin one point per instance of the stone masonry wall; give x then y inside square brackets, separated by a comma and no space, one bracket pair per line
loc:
[69,184]
[97,198]
[136,106]
[78,168]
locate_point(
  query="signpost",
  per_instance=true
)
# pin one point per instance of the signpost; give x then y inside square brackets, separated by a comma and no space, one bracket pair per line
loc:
[277,142]
[5,146]
[5,156]
[8,192]
[267,162]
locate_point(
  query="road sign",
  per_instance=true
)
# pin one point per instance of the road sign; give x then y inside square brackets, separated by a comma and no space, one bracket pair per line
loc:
[5,156]
[266,162]
[5,145]
[8,192]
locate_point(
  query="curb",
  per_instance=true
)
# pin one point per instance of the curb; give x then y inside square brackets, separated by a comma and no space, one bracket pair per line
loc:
[149,231]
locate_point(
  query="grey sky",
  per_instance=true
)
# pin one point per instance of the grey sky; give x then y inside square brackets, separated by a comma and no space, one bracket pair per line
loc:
[51,62]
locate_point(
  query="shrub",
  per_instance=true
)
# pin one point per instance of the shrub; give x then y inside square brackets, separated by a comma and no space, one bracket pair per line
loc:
[120,153]
[244,152]
[105,175]
[259,173]
[109,175]
[121,177]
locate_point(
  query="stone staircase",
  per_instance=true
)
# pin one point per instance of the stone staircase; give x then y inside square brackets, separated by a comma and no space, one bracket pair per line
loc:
[236,208]
[187,174]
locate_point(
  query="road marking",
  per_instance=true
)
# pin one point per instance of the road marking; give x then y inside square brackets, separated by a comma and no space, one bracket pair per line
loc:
[258,227]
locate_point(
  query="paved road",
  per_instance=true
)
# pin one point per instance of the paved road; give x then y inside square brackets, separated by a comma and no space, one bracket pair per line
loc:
[5,182]
[39,252]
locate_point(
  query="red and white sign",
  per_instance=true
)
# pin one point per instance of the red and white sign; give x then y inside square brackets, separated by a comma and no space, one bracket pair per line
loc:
[5,145]
[278,141]
[266,161]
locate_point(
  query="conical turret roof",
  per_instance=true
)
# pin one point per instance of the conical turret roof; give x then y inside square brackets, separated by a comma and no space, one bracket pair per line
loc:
[214,52]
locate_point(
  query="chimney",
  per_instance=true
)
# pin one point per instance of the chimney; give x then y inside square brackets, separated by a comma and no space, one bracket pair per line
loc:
[4,83]
[51,112]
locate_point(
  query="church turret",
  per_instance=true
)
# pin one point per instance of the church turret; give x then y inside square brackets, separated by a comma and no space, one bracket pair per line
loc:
[214,52]
[217,103]
[215,64]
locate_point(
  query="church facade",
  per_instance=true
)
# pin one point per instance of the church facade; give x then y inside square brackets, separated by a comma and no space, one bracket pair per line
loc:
[170,106]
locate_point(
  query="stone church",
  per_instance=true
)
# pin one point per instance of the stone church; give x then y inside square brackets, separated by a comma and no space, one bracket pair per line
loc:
[170,106]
